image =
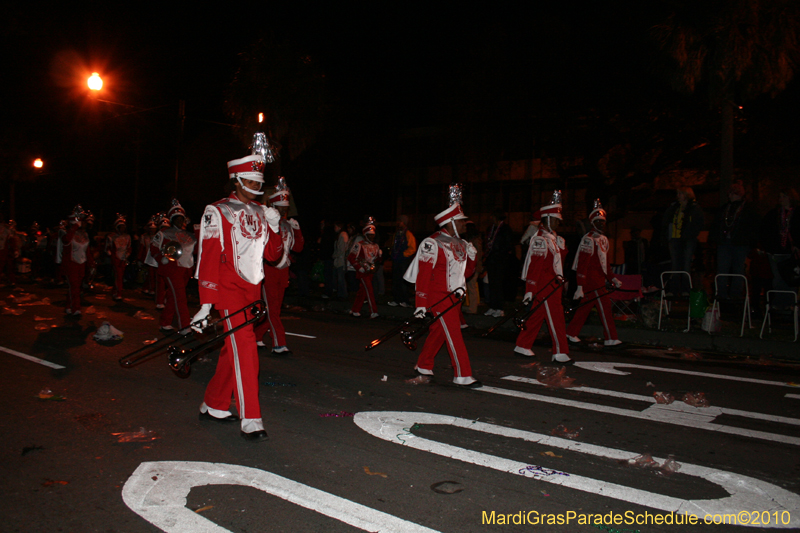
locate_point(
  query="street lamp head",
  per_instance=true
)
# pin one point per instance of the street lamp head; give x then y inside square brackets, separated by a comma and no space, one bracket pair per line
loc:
[38,163]
[95,82]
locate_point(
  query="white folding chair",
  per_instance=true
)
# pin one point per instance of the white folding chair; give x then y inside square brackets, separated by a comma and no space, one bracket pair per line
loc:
[768,318]
[665,304]
[745,311]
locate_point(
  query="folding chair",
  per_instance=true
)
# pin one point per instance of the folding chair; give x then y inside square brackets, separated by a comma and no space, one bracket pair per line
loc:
[768,317]
[745,311]
[630,293]
[665,304]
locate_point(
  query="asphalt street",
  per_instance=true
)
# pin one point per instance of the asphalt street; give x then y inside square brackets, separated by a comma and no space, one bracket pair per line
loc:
[355,447]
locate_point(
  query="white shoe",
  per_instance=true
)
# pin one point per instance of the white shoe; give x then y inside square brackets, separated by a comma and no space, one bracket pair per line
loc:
[159,306]
[562,358]
[490,312]
[374,315]
[613,342]
[499,313]
[573,340]
[355,313]
[393,303]
[464,326]
[523,351]
[403,304]
[260,344]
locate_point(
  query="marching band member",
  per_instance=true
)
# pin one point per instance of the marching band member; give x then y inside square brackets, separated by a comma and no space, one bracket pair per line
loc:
[591,264]
[236,235]
[118,246]
[161,287]
[362,257]
[543,265]
[276,273]
[441,265]
[172,249]
[75,258]
[9,250]
[143,254]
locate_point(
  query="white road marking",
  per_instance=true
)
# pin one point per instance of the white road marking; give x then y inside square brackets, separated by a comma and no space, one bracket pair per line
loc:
[793,396]
[300,335]
[745,493]
[711,410]
[31,358]
[157,492]
[611,368]
[677,413]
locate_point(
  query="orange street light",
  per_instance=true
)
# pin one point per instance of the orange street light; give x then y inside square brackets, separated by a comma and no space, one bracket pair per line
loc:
[260,118]
[38,163]
[95,82]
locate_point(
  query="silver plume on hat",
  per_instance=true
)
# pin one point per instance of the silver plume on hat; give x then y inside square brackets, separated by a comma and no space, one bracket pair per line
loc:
[262,147]
[556,197]
[456,194]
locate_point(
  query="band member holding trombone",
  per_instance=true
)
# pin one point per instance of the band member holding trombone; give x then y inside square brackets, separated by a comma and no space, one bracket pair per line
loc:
[362,257]
[75,258]
[591,264]
[236,235]
[172,248]
[118,246]
[276,273]
[443,263]
[544,267]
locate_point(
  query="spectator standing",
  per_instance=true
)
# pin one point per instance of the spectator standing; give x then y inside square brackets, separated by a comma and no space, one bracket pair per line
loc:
[404,246]
[735,234]
[682,222]
[781,237]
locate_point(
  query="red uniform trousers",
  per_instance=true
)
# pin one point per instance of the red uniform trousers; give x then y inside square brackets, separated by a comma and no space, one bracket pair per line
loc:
[446,330]
[603,305]
[175,279]
[237,368]
[73,272]
[118,266]
[552,312]
[276,280]
[365,292]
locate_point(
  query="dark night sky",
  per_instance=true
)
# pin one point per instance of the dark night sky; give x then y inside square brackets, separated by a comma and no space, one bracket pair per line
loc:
[387,67]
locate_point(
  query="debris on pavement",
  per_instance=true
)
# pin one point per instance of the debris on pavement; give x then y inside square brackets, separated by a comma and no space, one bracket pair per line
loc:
[107,332]
[143,435]
[47,394]
[41,327]
[384,378]
[43,301]
[51,482]
[40,318]
[446,487]
[150,341]
[144,316]
[649,384]
[370,473]
[696,399]
[562,431]
[691,356]
[551,376]
[663,397]
[342,414]
[91,310]
[535,364]
[12,311]
[538,471]
[419,380]
[646,460]
[551,454]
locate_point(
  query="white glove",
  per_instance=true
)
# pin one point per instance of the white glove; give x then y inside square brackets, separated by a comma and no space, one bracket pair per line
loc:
[164,261]
[202,317]
[527,298]
[578,293]
[273,218]
[471,251]
[420,312]
[294,224]
[617,283]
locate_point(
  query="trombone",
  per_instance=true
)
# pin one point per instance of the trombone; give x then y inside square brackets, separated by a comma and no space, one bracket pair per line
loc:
[520,315]
[182,346]
[407,331]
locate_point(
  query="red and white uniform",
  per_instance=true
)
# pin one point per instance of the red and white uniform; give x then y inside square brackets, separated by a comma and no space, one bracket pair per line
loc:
[234,240]
[442,264]
[543,262]
[75,258]
[175,274]
[591,264]
[363,251]
[118,246]
[276,280]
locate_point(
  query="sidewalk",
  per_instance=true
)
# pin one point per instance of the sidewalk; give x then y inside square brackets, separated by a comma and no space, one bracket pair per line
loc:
[720,347]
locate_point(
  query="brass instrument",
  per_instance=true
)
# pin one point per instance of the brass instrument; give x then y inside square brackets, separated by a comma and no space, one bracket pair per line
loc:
[368,266]
[556,283]
[183,346]
[172,250]
[413,328]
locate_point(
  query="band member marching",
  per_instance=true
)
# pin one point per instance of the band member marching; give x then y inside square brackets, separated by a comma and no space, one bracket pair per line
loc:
[236,235]
[362,257]
[144,257]
[591,264]
[118,246]
[75,258]
[544,266]
[173,249]
[442,264]
[276,273]
[160,286]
